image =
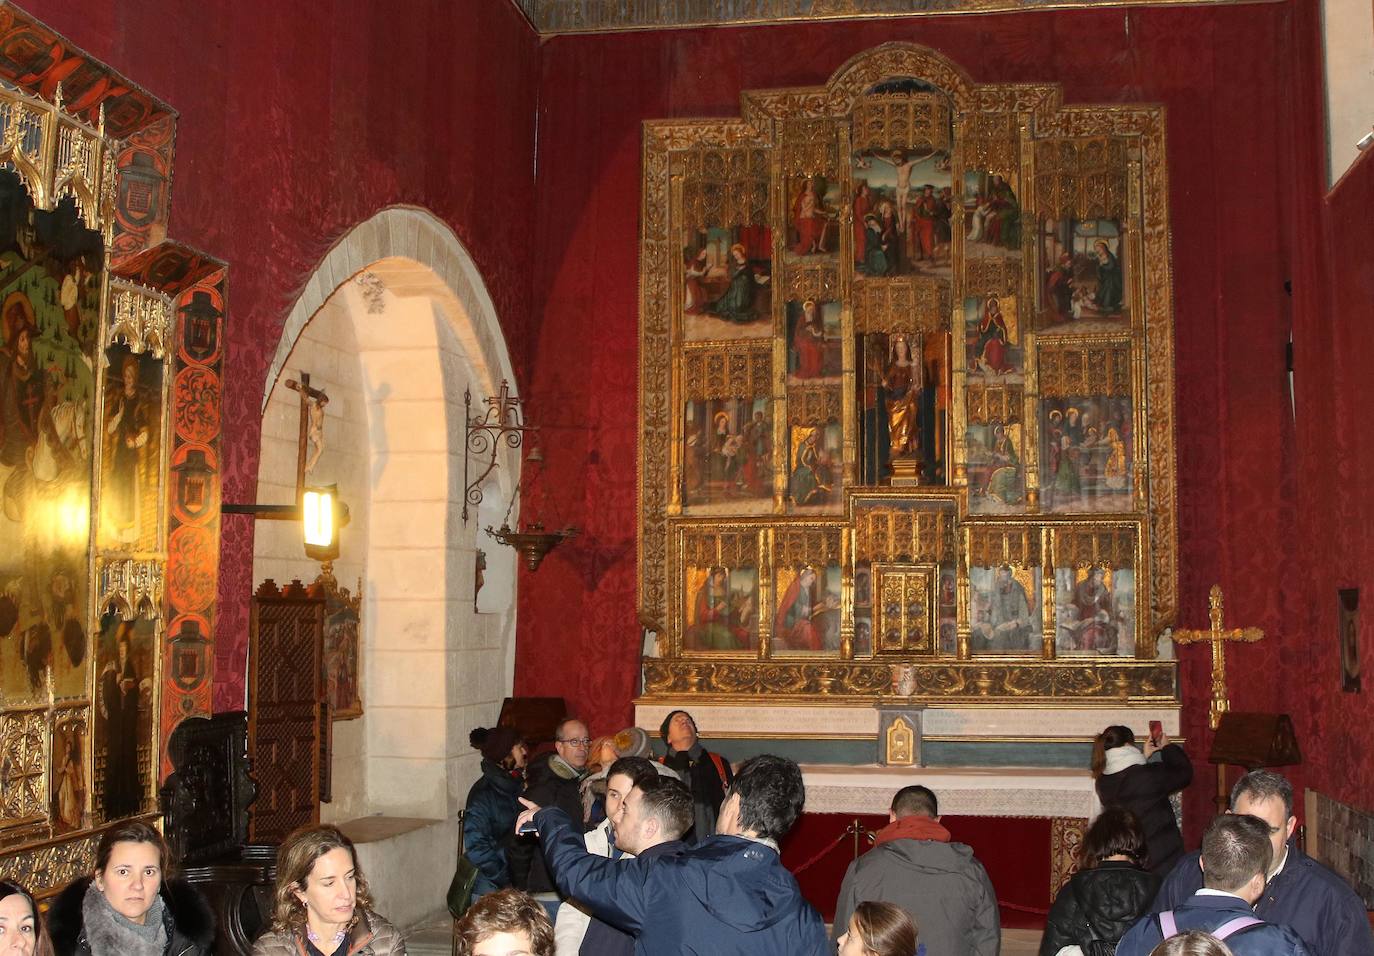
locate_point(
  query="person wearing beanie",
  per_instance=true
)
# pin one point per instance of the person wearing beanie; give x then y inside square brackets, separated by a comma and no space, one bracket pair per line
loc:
[493,803]
[707,775]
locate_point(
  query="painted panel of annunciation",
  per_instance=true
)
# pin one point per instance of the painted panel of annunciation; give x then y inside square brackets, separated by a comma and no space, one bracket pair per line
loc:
[894,332]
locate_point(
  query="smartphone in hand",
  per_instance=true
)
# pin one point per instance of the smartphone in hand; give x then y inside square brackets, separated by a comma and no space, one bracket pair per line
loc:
[1156,732]
[528,828]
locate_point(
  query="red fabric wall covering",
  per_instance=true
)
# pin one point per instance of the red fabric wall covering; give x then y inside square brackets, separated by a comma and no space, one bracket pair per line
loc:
[299,121]
[1223,72]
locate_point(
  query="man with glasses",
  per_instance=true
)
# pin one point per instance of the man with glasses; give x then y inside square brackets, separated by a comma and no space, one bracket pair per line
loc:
[552,780]
[1300,893]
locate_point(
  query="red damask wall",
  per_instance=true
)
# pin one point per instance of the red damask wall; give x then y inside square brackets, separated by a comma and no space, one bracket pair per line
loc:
[1244,138]
[298,121]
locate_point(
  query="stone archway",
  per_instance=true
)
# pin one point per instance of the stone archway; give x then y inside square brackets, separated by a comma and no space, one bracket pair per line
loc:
[395,323]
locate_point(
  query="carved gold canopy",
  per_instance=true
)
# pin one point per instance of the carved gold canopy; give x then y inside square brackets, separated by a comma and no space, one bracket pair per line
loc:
[906,393]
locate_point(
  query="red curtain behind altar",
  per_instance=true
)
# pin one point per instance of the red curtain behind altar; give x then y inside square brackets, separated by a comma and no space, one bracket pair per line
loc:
[1014,850]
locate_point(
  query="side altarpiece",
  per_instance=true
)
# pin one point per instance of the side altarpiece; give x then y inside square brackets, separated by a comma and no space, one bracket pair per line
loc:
[110,385]
[906,381]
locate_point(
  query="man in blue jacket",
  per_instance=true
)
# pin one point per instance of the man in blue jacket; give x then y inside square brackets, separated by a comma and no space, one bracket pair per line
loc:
[1314,902]
[728,896]
[1235,859]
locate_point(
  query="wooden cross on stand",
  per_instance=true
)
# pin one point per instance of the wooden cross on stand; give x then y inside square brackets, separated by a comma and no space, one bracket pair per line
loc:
[1217,637]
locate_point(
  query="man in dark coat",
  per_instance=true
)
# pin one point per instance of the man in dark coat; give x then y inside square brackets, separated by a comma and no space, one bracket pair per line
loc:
[1235,858]
[914,865]
[729,895]
[708,775]
[552,780]
[649,823]
[1301,893]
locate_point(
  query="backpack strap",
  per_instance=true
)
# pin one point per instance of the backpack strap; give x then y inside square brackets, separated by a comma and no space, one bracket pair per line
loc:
[720,769]
[1167,926]
[1235,926]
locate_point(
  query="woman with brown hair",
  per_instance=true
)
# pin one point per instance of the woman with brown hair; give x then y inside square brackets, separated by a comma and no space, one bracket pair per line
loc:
[21,930]
[1128,778]
[129,906]
[879,929]
[503,923]
[1107,895]
[321,903]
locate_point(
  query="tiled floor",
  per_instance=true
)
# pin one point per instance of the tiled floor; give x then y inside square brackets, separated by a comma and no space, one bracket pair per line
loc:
[435,939]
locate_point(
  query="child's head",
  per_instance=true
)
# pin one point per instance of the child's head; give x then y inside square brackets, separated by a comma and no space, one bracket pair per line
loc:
[879,929]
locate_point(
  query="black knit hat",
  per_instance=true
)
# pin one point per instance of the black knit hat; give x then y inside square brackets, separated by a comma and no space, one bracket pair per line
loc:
[495,743]
[663,727]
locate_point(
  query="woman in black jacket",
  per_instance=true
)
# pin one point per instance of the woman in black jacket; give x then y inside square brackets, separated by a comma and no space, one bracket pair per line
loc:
[128,906]
[493,804]
[1108,894]
[1127,778]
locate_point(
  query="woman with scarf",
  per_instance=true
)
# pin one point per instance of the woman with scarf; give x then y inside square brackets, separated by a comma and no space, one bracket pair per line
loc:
[1130,779]
[128,906]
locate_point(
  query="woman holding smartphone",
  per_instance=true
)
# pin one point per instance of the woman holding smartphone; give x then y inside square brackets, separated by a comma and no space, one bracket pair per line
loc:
[1127,778]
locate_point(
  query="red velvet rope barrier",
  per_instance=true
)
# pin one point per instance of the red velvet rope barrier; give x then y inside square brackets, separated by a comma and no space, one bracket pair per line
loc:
[816,857]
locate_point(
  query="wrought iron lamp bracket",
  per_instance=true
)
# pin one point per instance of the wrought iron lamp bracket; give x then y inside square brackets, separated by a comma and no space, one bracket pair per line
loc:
[484,434]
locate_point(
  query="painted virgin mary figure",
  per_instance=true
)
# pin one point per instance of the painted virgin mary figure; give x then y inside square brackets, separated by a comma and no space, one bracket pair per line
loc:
[737,303]
[800,625]
[1110,287]
[811,481]
[711,628]
[902,381]
[1003,483]
[808,340]
[990,349]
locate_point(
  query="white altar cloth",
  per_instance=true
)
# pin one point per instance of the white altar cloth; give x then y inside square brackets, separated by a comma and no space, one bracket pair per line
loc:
[974,792]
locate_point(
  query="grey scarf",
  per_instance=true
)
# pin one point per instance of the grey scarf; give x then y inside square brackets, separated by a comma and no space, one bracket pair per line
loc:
[110,934]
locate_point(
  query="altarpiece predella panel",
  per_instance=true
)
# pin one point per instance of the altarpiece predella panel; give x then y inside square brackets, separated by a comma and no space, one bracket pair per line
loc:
[110,371]
[906,393]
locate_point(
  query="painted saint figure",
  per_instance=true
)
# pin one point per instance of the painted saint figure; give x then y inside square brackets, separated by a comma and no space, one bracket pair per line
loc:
[737,302]
[808,219]
[129,423]
[808,341]
[119,706]
[1093,626]
[21,398]
[902,382]
[863,202]
[1110,289]
[710,630]
[811,478]
[800,622]
[1009,625]
[1004,478]
[991,347]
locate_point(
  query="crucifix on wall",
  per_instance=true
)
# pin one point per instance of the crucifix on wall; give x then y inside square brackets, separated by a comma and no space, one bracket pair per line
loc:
[310,444]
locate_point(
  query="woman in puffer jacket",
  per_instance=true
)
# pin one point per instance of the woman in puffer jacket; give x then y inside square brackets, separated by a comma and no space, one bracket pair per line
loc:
[129,906]
[321,904]
[493,804]
[1106,897]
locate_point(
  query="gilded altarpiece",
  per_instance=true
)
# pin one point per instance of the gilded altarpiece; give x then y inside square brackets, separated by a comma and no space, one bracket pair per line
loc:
[906,394]
[110,371]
